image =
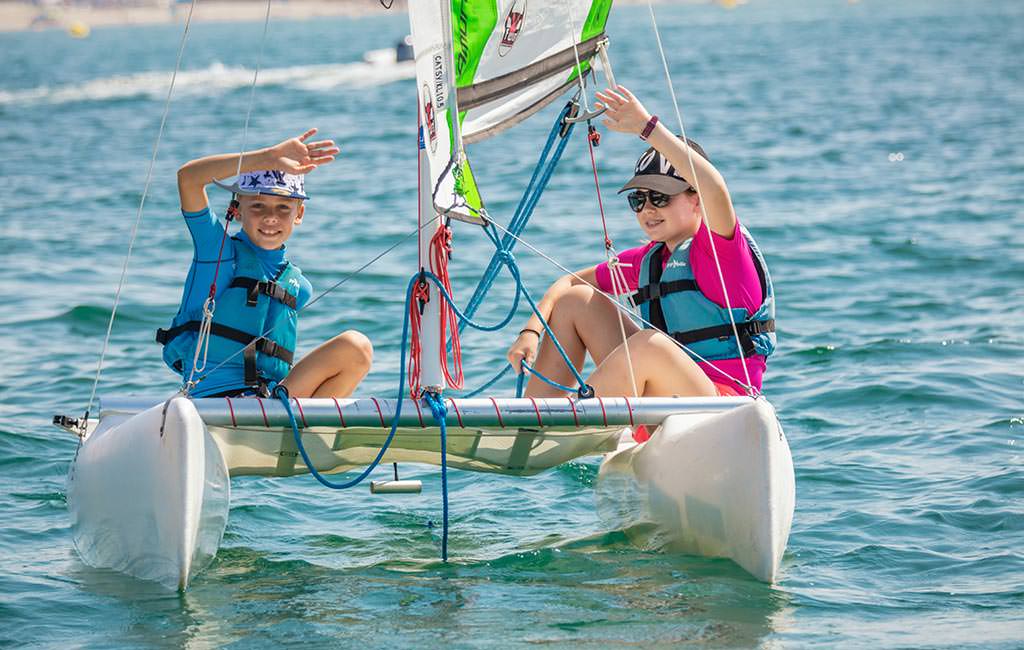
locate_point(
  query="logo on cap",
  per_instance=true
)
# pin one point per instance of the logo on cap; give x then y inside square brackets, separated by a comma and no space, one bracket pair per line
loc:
[274,181]
[654,163]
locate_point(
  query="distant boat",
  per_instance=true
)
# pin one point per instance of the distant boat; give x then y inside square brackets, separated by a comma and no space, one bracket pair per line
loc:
[401,52]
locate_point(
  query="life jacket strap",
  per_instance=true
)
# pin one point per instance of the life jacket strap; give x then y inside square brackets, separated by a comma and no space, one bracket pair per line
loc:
[655,291]
[746,329]
[261,345]
[269,288]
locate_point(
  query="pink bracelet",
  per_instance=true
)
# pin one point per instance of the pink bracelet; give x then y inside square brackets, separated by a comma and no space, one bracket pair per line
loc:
[649,129]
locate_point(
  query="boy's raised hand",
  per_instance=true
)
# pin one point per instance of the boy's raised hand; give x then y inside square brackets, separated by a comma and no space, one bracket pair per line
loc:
[623,111]
[296,156]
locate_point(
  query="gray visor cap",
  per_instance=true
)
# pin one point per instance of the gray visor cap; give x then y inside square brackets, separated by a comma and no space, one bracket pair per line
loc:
[658,182]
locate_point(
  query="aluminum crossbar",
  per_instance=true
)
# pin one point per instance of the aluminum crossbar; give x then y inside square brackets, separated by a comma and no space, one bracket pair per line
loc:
[478,412]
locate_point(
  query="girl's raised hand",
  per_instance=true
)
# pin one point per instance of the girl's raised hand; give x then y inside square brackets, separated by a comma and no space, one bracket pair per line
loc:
[623,111]
[296,156]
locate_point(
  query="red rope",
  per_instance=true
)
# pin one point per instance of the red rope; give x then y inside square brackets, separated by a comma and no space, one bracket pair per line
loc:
[441,252]
[593,138]
[228,217]
[421,296]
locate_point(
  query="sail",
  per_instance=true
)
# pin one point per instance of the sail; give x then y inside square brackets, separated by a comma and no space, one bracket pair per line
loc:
[507,59]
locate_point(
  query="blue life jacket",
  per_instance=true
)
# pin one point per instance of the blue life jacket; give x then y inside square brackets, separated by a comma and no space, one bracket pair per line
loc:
[252,305]
[670,299]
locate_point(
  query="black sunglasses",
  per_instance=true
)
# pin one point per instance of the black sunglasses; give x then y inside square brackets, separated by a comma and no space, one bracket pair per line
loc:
[637,200]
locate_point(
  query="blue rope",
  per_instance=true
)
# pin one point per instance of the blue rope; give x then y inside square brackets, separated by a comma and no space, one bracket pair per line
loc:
[549,382]
[510,261]
[514,270]
[498,377]
[542,171]
[282,393]
[440,413]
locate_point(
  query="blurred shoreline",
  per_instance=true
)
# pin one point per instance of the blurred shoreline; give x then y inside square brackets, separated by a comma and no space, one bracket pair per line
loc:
[79,18]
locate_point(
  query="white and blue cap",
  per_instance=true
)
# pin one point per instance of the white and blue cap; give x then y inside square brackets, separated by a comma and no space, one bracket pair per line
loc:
[273,182]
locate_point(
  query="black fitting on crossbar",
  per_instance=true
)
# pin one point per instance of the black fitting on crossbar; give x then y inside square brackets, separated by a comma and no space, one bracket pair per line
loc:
[572,110]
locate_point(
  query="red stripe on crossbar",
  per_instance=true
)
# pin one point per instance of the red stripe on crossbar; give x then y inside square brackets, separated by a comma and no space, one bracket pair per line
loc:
[498,413]
[630,407]
[575,418]
[266,422]
[379,412]
[340,416]
[540,422]
[457,414]
[232,409]
[301,414]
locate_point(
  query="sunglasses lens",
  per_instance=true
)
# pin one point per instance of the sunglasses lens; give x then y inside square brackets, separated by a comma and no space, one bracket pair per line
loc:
[659,200]
[636,201]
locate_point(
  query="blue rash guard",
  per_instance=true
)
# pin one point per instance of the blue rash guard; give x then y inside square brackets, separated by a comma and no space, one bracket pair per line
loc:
[207,233]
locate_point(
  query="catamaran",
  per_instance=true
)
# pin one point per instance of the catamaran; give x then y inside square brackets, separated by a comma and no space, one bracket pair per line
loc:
[149,488]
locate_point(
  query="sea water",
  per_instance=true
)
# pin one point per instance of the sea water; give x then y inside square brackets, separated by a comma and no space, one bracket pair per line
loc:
[875,149]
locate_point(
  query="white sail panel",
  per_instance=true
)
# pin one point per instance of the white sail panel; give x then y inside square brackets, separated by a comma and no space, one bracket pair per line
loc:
[532,52]
[432,43]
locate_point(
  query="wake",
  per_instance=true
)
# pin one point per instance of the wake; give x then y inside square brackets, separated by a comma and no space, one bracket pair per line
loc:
[215,79]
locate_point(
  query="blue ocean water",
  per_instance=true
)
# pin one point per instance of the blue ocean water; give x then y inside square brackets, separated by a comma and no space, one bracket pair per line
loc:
[875,149]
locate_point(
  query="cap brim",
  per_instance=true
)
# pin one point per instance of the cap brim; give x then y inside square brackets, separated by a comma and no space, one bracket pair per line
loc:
[235,188]
[656,182]
[277,191]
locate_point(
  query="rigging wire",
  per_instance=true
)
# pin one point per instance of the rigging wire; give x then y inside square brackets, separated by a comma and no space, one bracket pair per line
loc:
[138,216]
[696,186]
[252,90]
[612,259]
[576,55]
[748,386]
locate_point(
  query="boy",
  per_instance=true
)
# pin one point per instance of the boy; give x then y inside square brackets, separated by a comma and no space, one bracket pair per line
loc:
[257,293]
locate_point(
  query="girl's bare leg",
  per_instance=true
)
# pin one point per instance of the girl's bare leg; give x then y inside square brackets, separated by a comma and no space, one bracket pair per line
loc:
[333,369]
[660,367]
[584,321]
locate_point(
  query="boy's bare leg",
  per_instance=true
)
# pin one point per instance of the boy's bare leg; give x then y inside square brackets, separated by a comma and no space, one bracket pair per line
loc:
[661,369]
[584,321]
[333,369]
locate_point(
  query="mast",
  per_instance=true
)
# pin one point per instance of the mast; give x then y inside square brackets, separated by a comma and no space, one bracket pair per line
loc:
[431,374]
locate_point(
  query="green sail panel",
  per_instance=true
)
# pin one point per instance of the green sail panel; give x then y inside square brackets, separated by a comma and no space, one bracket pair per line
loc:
[525,61]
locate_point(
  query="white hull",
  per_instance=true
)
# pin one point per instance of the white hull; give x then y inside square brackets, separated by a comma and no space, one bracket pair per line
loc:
[150,504]
[715,486]
[715,480]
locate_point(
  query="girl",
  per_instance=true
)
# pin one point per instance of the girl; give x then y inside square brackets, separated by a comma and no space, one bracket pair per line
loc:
[674,280]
